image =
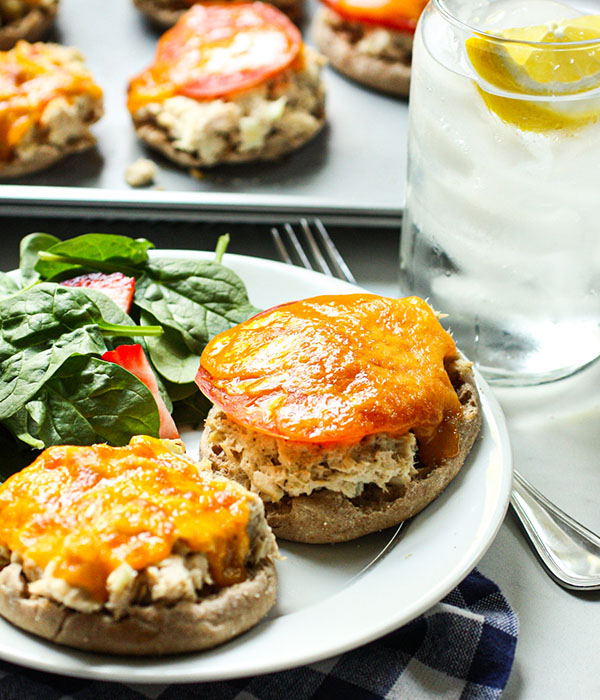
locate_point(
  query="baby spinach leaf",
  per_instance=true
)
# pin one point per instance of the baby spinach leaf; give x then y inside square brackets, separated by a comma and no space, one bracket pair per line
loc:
[222,244]
[162,390]
[28,252]
[44,312]
[86,401]
[119,252]
[114,314]
[191,410]
[8,285]
[27,370]
[178,392]
[169,354]
[196,298]
[40,329]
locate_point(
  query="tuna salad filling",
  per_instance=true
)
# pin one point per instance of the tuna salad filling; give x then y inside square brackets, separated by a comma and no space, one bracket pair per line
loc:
[382,43]
[274,468]
[63,124]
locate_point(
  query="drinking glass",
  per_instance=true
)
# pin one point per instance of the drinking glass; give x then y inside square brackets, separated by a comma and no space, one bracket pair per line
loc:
[501,230]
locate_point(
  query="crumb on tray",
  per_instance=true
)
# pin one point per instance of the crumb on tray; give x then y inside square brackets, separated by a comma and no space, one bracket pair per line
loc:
[141,172]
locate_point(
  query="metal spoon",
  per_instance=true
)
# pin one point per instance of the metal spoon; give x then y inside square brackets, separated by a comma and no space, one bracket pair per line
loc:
[569,551]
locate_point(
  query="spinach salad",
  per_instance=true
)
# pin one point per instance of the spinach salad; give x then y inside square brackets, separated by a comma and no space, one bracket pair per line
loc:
[55,388]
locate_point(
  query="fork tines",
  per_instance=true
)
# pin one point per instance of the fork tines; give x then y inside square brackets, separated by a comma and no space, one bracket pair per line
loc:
[312,249]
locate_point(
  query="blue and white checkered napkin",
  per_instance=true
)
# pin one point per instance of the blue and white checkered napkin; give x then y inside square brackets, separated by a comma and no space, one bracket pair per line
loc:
[462,648]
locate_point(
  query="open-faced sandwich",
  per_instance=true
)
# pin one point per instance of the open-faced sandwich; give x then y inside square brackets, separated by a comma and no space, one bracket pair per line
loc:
[370,42]
[346,414]
[231,82]
[25,19]
[166,12]
[49,101]
[132,550]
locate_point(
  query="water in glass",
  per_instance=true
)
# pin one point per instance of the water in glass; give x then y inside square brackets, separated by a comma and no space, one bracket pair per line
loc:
[502,222]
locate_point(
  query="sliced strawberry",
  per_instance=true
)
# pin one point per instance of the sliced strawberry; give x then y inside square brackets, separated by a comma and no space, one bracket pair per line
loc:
[133,359]
[116,285]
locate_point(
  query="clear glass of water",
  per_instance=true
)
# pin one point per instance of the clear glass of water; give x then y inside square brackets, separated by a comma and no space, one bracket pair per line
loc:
[502,222]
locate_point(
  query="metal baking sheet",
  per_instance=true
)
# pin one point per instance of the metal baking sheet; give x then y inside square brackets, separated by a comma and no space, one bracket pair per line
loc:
[353,170]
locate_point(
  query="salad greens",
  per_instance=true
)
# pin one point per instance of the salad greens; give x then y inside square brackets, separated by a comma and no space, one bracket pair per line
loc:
[28,254]
[101,252]
[40,328]
[86,401]
[54,386]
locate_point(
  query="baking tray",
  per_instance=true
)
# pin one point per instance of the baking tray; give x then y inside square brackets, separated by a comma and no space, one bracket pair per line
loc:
[354,170]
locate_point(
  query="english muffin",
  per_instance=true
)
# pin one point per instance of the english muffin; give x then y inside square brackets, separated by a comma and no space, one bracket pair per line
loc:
[369,42]
[25,19]
[49,102]
[165,13]
[345,414]
[132,550]
[231,83]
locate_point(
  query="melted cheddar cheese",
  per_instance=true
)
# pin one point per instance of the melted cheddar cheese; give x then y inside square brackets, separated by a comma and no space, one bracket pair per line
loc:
[87,510]
[31,76]
[338,368]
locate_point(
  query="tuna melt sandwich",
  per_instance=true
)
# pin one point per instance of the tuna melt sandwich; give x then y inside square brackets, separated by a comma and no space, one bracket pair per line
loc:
[345,414]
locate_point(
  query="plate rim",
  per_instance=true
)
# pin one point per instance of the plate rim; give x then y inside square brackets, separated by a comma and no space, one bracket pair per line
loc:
[163,670]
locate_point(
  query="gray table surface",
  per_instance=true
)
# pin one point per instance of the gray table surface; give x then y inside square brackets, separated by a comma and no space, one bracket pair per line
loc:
[555,434]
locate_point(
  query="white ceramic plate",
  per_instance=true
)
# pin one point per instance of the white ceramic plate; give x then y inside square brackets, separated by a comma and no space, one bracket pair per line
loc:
[331,597]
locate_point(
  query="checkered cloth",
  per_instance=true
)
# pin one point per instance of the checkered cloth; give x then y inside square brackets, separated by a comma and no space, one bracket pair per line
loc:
[462,648]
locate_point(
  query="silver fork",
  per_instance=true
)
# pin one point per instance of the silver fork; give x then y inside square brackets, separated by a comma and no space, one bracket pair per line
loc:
[568,550]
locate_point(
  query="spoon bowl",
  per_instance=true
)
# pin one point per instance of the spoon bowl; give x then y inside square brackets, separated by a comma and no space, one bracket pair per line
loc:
[569,551]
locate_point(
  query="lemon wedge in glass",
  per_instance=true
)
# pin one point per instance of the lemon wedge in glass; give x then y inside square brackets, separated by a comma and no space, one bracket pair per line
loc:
[541,61]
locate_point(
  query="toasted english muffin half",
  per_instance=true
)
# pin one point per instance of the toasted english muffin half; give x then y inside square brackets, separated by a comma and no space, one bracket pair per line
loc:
[241,105]
[56,127]
[350,490]
[172,605]
[164,13]
[377,57]
[145,630]
[23,20]
[38,156]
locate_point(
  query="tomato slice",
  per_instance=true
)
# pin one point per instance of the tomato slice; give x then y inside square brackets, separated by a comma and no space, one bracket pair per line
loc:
[401,15]
[133,358]
[335,369]
[218,49]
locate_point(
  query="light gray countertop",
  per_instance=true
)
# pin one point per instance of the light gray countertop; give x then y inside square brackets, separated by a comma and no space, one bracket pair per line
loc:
[555,433]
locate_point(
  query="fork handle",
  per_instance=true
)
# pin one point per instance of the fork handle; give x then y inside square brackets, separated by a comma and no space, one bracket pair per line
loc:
[562,543]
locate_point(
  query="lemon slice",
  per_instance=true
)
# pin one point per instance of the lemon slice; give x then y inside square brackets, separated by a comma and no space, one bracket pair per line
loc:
[541,60]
